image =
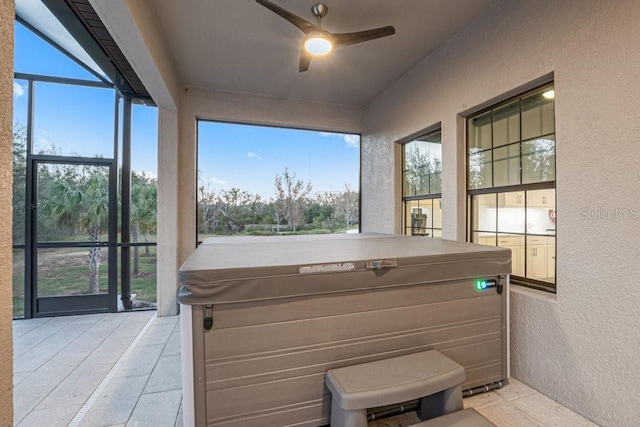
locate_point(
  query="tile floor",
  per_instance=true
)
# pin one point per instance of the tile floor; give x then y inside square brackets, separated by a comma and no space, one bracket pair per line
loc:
[123,369]
[97,370]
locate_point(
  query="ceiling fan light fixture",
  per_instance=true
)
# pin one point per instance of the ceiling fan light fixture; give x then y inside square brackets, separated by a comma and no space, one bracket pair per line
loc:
[318,44]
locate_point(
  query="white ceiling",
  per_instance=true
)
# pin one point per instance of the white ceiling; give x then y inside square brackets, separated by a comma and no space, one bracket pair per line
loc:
[240,46]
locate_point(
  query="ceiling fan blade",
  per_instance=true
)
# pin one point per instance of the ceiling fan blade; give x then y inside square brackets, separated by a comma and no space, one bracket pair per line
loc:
[345,39]
[305,60]
[303,25]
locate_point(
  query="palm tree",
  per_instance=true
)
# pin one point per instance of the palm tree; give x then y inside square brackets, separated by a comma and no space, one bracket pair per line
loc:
[82,203]
[144,196]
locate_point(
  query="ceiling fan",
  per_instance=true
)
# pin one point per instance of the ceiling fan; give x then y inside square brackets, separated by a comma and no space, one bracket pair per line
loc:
[319,42]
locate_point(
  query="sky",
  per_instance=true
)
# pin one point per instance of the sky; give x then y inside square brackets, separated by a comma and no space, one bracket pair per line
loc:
[75,120]
[79,121]
[249,158]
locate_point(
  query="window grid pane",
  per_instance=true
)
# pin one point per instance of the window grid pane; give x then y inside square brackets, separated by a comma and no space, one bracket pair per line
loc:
[422,177]
[422,165]
[513,145]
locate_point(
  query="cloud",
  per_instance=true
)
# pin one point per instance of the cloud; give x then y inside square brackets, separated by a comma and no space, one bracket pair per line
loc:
[18,90]
[350,140]
[216,180]
[253,155]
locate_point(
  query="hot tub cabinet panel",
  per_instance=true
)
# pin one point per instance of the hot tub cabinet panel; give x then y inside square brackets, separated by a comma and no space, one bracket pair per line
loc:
[285,310]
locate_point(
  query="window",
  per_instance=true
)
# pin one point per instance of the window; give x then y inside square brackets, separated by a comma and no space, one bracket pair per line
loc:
[511,183]
[257,180]
[422,185]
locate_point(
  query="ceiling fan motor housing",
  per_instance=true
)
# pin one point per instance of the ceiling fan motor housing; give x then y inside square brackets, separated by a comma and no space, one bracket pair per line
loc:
[319,10]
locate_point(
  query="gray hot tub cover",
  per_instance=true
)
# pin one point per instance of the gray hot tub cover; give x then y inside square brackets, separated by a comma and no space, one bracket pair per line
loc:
[239,269]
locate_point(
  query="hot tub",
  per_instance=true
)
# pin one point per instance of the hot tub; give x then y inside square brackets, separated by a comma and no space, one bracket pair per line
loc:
[263,318]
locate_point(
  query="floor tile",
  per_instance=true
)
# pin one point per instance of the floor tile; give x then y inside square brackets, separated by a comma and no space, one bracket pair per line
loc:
[179,418]
[167,320]
[21,327]
[59,416]
[78,386]
[173,345]
[134,324]
[514,390]
[549,413]
[166,376]
[507,415]
[18,377]
[481,400]
[70,332]
[141,361]
[91,318]
[56,369]
[26,398]
[34,358]
[110,350]
[116,402]
[89,341]
[156,334]
[157,409]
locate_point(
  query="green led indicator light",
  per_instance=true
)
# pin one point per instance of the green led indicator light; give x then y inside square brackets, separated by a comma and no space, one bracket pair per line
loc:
[482,284]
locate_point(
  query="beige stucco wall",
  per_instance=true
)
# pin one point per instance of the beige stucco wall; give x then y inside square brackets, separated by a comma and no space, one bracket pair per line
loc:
[579,347]
[6,177]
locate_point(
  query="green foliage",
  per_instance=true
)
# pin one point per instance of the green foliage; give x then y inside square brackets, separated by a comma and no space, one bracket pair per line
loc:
[144,208]
[291,211]
[423,171]
[76,199]
[19,182]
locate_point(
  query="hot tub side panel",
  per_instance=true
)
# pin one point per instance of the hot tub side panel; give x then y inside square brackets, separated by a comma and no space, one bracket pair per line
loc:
[265,361]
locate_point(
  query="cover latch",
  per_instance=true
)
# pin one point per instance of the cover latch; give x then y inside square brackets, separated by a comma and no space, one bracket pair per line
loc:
[208,317]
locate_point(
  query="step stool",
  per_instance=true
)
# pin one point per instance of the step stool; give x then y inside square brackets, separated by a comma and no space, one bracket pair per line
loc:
[466,418]
[429,376]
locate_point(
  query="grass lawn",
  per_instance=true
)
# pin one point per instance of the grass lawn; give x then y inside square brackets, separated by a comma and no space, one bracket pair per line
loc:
[65,271]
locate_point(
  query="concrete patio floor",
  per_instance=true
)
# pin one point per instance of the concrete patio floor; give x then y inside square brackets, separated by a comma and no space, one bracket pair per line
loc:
[123,369]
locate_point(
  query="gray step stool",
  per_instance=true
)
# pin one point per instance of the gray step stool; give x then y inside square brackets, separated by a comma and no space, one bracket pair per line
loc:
[429,376]
[466,418]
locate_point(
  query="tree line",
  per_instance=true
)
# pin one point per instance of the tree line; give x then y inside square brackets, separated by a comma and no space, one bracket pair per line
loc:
[292,209]
[73,204]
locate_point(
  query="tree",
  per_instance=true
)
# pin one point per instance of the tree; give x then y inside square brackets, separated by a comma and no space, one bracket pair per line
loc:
[424,172]
[347,206]
[237,208]
[80,199]
[207,210]
[144,204]
[344,205]
[19,182]
[319,213]
[540,161]
[277,212]
[292,196]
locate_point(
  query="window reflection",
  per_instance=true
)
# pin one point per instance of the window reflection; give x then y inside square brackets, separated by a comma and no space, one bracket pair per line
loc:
[422,185]
[539,160]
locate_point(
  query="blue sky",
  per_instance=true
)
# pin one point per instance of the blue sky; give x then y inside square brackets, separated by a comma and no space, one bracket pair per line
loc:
[79,120]
[76,120]
[249,157]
